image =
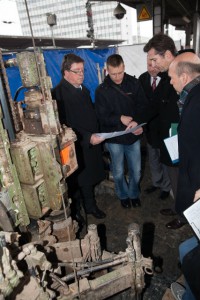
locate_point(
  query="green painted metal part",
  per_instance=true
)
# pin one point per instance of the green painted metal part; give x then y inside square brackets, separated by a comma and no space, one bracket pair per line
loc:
[9,180]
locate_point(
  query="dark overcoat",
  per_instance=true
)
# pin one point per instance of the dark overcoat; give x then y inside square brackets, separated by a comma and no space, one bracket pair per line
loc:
[163,112]
[76,110]
[189,150]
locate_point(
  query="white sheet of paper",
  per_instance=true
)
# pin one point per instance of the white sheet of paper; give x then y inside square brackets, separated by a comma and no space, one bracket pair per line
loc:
[172,147]
[108,135]
[192,214]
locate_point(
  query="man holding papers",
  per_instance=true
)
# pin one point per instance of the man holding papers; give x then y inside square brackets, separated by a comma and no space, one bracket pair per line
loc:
[185,78]
[119,100]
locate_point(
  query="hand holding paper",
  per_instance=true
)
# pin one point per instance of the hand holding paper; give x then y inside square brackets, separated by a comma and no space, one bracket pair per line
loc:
[95,139]
[172,147]
[109,135]
[192,215]
[137,131]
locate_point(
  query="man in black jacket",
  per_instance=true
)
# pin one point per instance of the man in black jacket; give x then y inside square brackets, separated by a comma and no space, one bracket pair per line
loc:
[119,100]
[185,78]
[76,110]
[153,85]
[161,51]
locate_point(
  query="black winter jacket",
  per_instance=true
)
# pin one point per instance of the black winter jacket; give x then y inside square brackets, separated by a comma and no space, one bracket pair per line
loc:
[189,149]
[162,112]
[111,104]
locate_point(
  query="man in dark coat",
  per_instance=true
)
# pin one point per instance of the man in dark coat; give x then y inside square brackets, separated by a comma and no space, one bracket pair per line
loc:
[119,100]
[76,110]
[161,51]
[185,78]
[154,87]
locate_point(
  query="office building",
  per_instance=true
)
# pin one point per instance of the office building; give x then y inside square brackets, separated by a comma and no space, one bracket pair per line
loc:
[71,19]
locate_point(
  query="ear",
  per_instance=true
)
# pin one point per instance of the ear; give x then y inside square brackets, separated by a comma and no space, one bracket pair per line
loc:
[66,73]
[184,78]
[168,55]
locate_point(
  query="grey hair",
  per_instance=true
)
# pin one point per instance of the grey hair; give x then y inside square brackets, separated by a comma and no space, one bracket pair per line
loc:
[187,67]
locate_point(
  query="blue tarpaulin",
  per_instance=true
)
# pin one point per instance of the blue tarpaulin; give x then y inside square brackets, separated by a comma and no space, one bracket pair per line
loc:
[53,60]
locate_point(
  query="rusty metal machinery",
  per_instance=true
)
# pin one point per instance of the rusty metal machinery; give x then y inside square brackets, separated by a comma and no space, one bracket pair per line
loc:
[40,257]
[88,272]
[42,154]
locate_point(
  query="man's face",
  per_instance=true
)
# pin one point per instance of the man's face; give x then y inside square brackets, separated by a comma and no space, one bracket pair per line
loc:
[116,73]
[159,61]
[153,71]
[176,81]
[75,75]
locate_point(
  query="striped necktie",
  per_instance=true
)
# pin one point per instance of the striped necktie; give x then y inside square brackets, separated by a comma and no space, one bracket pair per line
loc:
[154,83]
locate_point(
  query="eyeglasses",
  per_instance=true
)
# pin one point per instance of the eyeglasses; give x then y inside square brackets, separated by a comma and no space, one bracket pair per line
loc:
[79,72]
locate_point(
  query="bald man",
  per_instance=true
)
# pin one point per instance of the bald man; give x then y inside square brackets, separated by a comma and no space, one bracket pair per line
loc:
[185,78]
[184,72]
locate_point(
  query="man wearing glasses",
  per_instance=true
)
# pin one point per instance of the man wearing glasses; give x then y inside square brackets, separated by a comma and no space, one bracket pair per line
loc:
[76,110]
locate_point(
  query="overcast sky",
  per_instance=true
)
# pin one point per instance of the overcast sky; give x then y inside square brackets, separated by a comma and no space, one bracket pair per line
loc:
[9,20]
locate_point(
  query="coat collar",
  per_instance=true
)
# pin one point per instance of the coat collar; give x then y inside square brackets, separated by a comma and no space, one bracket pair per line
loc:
[108,81]
[68,84]
[185,92]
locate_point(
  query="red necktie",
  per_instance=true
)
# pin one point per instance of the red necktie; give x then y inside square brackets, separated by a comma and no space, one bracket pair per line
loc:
[154,83]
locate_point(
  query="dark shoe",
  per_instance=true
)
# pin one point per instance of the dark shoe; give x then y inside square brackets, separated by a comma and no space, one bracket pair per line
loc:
[157,264]
[164,195]
[175,224]
[136,202]
[79,218]
[97,213]
[151,189]
[125,203]
[168,212]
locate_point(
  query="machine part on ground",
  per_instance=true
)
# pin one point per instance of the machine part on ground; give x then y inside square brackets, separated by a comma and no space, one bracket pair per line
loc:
[94,273]
[64,229]
[40,255]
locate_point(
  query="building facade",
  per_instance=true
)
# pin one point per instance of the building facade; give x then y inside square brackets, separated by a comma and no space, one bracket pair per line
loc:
[71,19]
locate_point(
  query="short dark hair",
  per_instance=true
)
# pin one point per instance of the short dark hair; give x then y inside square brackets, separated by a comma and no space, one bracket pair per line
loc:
[114,60]
[161,43]
[187,67]
[68,60]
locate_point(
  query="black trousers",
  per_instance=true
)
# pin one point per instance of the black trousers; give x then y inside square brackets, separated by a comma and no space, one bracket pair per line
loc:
[81,195]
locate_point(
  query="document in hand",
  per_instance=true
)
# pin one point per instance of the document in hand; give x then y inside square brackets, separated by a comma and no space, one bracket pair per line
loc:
[192,214]
[108,135]
[172,147]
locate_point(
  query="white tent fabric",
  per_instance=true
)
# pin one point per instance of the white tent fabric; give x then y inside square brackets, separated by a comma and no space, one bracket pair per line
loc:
[134,59]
